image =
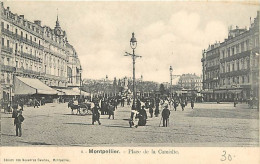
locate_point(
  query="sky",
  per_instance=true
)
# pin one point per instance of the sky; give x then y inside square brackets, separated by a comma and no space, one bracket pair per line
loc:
[168,33]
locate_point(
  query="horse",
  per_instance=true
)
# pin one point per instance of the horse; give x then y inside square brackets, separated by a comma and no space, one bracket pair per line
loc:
[73,107]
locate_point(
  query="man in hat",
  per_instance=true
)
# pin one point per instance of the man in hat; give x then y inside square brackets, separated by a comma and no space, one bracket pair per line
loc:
[18,123]
[165,115]
[95,114]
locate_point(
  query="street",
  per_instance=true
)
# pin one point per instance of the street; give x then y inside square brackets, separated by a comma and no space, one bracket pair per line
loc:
[208,124]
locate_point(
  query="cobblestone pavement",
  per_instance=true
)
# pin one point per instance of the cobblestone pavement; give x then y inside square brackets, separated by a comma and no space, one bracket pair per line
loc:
[206,125]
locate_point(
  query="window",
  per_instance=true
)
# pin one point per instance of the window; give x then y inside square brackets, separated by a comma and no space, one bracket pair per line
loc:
[3,42]
[31,38]
[26,37]
[242,47]
[8,44]
[21,34]
[238,65]
[237,49]
[223,53]
[233,51]
[16,46]
[228,50]
[16,64]
[247,45]
[16,31]
[2,26]
[39,42]
[34,39]
[243,79]
[233,67]
[7,26]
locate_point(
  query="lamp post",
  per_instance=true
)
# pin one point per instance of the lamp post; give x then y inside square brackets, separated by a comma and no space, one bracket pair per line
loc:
[80,71]
[170,85]
[133,44]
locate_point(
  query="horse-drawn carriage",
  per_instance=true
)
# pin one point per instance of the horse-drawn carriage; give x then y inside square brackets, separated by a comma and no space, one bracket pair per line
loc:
[82,108]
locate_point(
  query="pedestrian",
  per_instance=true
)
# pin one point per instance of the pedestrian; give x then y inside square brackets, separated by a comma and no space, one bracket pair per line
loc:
[165,115]
[175,105]
[133,117]
[102,107]
[15,111]
[35,103]
[128,101]
[182,105]
[95,115]
[142,117]
[18,123]
[151,111]
[21,103]
[192,104]
[122,102]
[235,102]
[111,110]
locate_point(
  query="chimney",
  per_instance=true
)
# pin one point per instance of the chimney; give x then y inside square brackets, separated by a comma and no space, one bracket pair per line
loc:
[22,16]
[38,22]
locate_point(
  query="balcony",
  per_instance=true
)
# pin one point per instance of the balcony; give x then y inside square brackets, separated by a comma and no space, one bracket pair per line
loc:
[7,68]
[211,68]
[7,32]
[56,77]
[235,73]
[7,49]
[55,53]
[235,57]
[31,57]
[31,72]
[30,42]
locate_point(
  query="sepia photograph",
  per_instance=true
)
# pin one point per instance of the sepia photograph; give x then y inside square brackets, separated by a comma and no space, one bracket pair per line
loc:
[129,74]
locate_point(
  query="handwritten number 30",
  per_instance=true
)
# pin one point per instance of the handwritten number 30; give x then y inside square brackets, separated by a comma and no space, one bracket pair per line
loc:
[224,157]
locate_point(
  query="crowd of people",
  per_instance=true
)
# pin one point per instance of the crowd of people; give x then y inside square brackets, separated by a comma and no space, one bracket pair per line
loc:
[108,105]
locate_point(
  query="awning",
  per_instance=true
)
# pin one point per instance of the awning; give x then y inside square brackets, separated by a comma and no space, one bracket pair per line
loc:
[69,92]
[82,92]
[25,86]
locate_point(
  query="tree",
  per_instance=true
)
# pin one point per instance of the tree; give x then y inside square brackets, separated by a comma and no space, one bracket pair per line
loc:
[162,89]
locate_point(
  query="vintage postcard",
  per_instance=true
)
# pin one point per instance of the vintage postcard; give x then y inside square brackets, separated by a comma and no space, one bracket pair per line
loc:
[129,81]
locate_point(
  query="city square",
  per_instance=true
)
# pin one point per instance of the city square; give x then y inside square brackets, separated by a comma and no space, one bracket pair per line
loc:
[96,79]
[208,124]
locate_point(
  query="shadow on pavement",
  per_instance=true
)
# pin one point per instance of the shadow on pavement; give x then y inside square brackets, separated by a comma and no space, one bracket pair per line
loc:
[117,126]
[35,143]
[76,123]
[9,135]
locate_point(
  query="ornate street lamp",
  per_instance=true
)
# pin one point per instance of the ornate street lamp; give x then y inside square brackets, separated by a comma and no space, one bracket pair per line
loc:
[133,44]
[80,71]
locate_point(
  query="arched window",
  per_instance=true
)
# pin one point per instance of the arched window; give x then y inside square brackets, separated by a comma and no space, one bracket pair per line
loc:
[69,74]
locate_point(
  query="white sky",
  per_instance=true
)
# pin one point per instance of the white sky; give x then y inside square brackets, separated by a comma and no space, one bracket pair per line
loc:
[168,33]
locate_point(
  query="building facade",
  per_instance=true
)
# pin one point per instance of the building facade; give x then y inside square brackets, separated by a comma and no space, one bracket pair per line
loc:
[29,49]
[190,82]
[210,64]
[238,75]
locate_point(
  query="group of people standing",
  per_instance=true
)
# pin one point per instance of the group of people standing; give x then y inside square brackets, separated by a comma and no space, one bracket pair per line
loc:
[18,119]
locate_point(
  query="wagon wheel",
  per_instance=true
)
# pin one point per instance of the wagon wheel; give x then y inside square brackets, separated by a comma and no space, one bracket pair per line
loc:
[83,110]
[89,111]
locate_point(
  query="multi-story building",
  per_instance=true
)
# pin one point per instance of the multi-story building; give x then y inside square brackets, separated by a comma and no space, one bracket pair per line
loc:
[210,63]
[29,49]
[238,65]
[190,82]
